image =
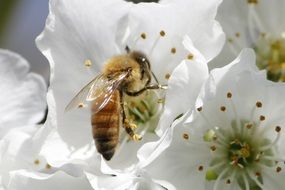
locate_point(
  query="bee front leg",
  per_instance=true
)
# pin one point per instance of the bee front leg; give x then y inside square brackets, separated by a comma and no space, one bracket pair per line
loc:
[129,127]
[149,87]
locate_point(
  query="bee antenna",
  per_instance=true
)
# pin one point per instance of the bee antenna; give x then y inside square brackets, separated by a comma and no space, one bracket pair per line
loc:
[154,77]
[127,49]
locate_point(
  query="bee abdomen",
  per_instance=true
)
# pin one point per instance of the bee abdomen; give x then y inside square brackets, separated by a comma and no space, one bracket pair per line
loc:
[105,127]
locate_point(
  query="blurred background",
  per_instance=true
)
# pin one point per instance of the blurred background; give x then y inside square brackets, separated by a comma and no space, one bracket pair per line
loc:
[21,21]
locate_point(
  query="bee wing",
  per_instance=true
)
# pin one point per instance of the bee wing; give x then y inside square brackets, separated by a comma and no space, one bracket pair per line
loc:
[99,90]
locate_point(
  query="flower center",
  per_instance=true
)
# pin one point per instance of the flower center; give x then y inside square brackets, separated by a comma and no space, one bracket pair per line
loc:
[144,110]
[239,154]
[270,54]
[242,151]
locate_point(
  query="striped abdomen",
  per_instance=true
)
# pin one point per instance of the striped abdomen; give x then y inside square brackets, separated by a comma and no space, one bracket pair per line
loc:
[105,127]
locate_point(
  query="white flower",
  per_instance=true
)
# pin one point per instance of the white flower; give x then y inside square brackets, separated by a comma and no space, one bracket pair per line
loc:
[23,100]
[257,24]
[23,164]
[234,137]
[23,94]
[135,178]
[80,36]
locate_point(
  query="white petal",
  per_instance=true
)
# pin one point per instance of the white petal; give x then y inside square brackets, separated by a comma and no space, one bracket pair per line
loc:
[270,14]
[150,19]
[179,163]
[183,89]
[273,180]
[72,36]
[23,94]
[126,153]
[26,180]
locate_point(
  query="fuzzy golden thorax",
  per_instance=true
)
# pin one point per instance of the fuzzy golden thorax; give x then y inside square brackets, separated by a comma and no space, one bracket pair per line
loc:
[117,64]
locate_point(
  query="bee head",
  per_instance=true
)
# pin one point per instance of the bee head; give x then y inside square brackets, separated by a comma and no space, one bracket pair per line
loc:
[143,62]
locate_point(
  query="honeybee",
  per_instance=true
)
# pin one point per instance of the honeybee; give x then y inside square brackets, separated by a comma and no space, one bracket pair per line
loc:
[123,74]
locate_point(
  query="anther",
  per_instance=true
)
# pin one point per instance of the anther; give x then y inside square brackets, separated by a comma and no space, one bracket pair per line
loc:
[162,33]
[173,50]
[185,136]
[228,181]
[252,1]
[81,105]
[277,129]
[237,34]
[262,118]
[229,95]
[200,168]
[199,109]
[223,108]
[257,174]
[87,63]
[248,125]
[213,148]
[278,169]
[190,56]
[167,76]
[37,162]
[263,34]
[258,104]
[143,36]
[48,166]
[161,100]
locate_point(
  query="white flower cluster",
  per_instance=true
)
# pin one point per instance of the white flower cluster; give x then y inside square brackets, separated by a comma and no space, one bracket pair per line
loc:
[194,126]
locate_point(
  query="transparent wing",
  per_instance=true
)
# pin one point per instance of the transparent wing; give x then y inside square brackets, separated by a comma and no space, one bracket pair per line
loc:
[99,90]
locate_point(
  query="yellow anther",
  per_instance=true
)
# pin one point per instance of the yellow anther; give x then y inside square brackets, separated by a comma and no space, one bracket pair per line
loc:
[143,36]
[88,63]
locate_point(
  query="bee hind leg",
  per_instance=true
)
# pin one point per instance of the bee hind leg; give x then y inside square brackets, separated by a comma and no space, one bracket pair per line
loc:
[129,127]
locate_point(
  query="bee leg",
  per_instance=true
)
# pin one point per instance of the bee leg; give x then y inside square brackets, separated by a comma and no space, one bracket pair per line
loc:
[149,87]
[129,127]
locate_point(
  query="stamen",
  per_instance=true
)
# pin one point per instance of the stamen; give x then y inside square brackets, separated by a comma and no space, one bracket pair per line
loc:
[252,1]
[219,178]
[48,166]
[200,168]
[278,169]
[229,96]
[273,158]
[213,167]
[143,35]
[173,50]
[213,148]
[237,34]
[37,162]
[190,56]
[232,47]
[254,17]
[185,136]
[199,109]
[266,147]
[262,118]
[88,63]
[258,104]
[81,105]
[245,181]
[167,76]
[161,101]
[254,178]
[161,34]
[223,108]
